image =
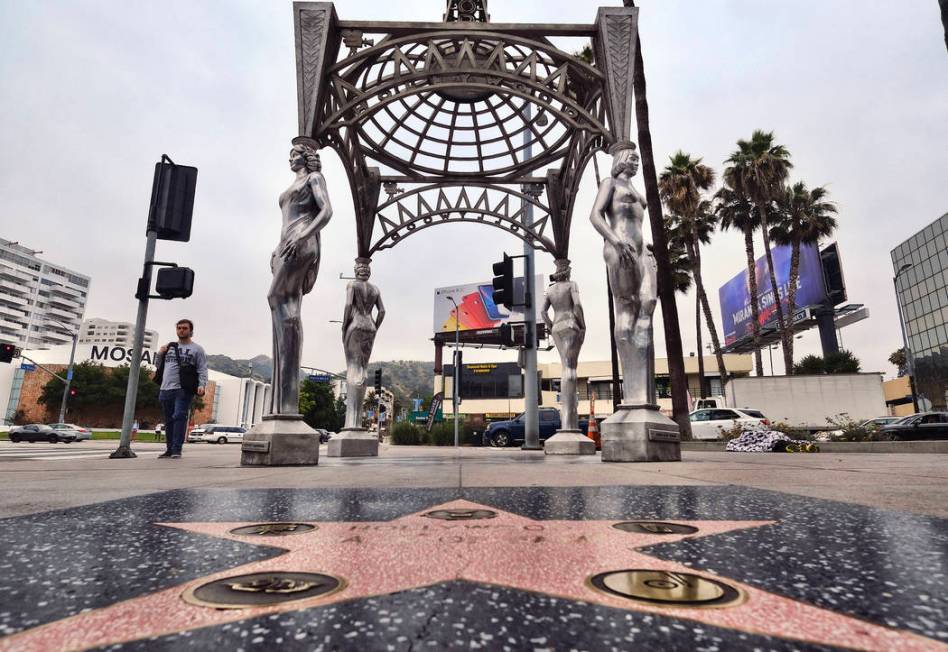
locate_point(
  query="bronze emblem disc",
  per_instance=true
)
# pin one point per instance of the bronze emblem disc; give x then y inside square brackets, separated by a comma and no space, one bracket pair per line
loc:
[461,514]
[262,589]
[655,527]
[273,529]
[667,589]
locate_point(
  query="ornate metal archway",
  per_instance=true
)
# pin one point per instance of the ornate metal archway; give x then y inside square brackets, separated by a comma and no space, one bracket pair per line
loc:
[462,120]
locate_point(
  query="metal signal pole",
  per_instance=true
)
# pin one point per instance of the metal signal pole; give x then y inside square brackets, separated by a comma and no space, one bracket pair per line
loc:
[531,441]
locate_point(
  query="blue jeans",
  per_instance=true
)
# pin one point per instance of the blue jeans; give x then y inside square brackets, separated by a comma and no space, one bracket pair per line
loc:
[175,404]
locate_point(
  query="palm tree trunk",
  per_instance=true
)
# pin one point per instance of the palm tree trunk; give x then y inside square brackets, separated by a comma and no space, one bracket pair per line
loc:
[755,304]
[781,324]
[703,300]
[666,288]
[792,300]
[701,382]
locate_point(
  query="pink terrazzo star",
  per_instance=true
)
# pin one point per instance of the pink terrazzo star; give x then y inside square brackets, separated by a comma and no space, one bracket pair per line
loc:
[378,558]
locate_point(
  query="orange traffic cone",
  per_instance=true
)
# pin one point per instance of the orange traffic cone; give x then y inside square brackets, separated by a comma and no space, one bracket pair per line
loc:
[592,431]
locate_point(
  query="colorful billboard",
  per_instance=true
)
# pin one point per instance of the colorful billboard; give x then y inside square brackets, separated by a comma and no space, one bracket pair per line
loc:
[477,308]
[735,294]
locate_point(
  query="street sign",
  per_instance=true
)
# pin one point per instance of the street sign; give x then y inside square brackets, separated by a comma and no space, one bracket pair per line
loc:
[320,378]
[27,366]
[69,374]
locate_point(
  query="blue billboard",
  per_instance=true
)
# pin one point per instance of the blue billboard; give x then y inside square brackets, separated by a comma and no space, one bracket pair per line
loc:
[735,294]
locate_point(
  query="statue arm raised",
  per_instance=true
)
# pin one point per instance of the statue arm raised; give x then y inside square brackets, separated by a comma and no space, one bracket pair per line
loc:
[577,306]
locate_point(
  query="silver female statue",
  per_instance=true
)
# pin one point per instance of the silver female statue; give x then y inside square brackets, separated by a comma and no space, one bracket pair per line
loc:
[358,336]
[617,215]
[568,327]
[294,264]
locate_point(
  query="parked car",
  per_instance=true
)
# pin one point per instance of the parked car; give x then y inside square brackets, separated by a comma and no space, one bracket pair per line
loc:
[81,434]
[871,424]
[212,433]
[708,423]
[506,433]
[926,425]
[40,432]
[324,435]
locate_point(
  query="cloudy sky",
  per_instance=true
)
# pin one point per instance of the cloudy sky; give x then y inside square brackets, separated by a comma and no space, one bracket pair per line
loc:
[94,92]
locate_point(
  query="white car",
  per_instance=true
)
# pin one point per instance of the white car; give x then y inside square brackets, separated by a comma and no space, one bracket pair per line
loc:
[215,434]
[708,423]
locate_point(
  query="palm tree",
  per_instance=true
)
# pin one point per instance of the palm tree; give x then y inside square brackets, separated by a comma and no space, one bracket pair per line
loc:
[806,216]
[758,169]
[737,211]
[666,290]
[681,267]
[680,186]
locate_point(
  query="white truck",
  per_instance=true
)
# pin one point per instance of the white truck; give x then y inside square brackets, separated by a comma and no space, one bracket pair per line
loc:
[806,402]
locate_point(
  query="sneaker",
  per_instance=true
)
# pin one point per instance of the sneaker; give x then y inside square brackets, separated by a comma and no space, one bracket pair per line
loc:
[165,455]
[176,456]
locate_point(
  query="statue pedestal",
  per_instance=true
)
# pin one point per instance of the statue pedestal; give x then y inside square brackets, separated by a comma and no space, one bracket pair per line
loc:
[640,433]
[280,440]
[354,442]
[569,442]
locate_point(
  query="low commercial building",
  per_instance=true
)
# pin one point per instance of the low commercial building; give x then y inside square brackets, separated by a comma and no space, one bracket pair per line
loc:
[228,399]
[495,389]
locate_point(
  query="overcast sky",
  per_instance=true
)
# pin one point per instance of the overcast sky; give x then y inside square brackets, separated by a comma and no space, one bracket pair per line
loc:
[94,92]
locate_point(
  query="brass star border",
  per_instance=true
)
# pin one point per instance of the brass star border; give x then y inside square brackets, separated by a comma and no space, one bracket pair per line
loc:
[551,557]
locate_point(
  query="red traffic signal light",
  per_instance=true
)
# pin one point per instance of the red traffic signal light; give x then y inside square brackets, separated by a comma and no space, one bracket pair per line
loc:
[72,391]
[8,352]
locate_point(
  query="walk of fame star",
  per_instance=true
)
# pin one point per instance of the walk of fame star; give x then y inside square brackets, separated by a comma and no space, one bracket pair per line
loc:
[553,557]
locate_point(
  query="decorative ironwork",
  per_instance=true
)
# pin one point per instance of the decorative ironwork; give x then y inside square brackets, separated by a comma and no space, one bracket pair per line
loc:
[498,206]
[462,103]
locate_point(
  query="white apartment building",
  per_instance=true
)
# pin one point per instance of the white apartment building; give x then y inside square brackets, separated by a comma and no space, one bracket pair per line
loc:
[41,304]
[122,333]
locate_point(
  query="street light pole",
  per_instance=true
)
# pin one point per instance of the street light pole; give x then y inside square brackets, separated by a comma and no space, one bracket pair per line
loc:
[72,359]
[909,362]
[456,391]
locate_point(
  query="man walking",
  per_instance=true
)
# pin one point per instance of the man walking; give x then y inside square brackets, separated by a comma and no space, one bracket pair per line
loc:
[185,374]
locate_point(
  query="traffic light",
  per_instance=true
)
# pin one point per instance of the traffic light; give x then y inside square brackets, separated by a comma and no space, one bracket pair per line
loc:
[73,391]
[378,381]
[170,212]
[8,352]
[175,282]
[504,283]
[506,335]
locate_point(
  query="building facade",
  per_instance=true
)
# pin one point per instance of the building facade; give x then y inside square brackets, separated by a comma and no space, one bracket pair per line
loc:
[120,333]
[41,304]
[920,265]
[229,400]
[495,389]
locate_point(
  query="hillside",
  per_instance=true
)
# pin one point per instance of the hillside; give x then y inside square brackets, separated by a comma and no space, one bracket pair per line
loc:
[406,378]
[262,366]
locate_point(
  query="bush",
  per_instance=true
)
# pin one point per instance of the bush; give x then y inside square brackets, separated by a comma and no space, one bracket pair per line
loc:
[407,434]
[854,430]
[737,429]
[442,434]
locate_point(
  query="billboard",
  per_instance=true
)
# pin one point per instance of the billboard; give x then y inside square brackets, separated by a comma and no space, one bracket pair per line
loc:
[735,294]
[477,310]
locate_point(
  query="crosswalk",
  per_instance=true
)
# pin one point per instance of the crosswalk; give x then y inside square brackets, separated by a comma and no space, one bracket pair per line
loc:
[20,452]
